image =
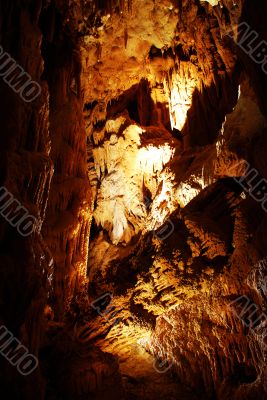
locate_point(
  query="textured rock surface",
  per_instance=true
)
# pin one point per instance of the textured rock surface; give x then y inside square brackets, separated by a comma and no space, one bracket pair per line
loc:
[26,171]
[148,111]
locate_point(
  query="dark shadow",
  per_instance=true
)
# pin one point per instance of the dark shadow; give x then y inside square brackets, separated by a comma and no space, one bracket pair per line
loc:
[208,110]
[137,101]
[255,15]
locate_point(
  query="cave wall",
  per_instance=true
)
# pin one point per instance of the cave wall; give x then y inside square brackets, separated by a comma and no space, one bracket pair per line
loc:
[44,167]
[110,74]
[26,172]
[68,217]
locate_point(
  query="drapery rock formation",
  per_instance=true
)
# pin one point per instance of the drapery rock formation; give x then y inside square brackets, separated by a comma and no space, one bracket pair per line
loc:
[145,275]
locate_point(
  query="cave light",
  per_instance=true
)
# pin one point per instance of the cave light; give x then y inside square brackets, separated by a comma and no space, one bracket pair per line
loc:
[179,104]
[152,159]
[179,87]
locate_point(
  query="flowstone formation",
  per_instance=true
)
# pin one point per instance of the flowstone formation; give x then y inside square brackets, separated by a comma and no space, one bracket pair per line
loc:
[146,278]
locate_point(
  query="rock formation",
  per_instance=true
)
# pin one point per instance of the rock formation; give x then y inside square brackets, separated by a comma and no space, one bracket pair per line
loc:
[143,162]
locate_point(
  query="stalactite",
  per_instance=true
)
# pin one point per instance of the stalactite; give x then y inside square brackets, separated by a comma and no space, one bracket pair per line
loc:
[125,36]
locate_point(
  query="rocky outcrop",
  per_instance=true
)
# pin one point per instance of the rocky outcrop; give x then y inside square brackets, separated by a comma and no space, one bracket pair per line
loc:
[69,211]
[172,297]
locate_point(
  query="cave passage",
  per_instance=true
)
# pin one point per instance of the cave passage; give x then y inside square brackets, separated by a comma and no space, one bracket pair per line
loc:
[133,199]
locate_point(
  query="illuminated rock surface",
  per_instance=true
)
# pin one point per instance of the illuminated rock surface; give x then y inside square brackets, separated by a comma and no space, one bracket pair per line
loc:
[148,112]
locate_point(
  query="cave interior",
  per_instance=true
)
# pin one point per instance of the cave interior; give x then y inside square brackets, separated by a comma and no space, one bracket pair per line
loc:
[142,162]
